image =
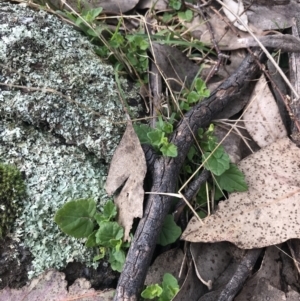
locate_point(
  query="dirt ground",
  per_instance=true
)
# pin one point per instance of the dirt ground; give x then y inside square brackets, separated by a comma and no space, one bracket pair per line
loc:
[15,262]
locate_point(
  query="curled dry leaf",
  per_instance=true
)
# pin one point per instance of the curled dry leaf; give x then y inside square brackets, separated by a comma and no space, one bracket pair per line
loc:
[262,118]
[52,286]
[266,214]
[239,10]
[128,168]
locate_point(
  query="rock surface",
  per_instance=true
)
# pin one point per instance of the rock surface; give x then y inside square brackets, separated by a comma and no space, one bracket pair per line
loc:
[59,108]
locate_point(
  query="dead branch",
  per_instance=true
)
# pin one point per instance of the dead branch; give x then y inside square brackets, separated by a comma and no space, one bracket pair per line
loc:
[165,174]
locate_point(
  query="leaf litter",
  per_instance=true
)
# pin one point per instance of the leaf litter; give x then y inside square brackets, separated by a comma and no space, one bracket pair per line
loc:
[127,172]
[266,214]
[262,118]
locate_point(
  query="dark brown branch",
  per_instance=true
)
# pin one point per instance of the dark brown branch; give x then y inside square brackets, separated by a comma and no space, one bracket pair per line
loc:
[165,176]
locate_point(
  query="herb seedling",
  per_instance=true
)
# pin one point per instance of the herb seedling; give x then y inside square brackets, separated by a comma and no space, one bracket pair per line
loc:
[164,292]
[157,137]
[190,97]
[80,219]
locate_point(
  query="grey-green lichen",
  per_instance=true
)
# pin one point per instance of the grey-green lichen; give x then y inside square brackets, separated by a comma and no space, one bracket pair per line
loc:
[51,77]
[59,124]
[54,174]
[12,192]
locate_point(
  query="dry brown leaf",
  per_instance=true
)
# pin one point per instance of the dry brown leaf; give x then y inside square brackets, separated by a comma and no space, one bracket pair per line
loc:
[52,286]
[273,17]
[266,214]
[174,65]
[128,168]
[210,260]
[227,39]
[238,9]
[262,118]
[265,291]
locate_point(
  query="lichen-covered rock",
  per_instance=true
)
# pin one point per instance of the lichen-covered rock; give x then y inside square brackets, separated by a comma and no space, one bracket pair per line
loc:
[51,77]
[59,124]
[12,190]
[54,174]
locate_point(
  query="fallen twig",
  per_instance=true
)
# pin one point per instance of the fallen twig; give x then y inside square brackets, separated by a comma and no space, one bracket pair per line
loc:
[165,175]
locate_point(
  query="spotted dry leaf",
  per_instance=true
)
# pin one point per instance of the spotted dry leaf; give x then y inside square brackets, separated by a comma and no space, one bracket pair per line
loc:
[262,118]
[266,214]
[128,168]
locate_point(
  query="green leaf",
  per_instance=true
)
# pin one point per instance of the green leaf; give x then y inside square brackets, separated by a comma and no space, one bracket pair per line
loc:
[152,291]
[170,231]
[117,40]
[232,180]
[202,214]
[186,15]
[141,42]
[175,4]
[116,244]
[170,288]
[117,260]
[191,153]
[91,241]
[167,17]
[193,97]
[169,150]
[102,252]
[218,162]
[98,257]
[95,12]
[164,126]
[142,130]
[205,93]
[199,85]
[118,255]
[156,137]
[109,211]
[201,88]
[184,106]
[189,15]
[76,218]
[109,231]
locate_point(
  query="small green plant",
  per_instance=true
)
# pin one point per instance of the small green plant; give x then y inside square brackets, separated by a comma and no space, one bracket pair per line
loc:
[80,219]
[227,176]
[157,137]
[170,232]
[12,191]
[129,50]
[164,292]
[197,93]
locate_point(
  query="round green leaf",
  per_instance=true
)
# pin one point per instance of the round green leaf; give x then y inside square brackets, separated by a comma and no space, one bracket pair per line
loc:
[170,231]
[76,218]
